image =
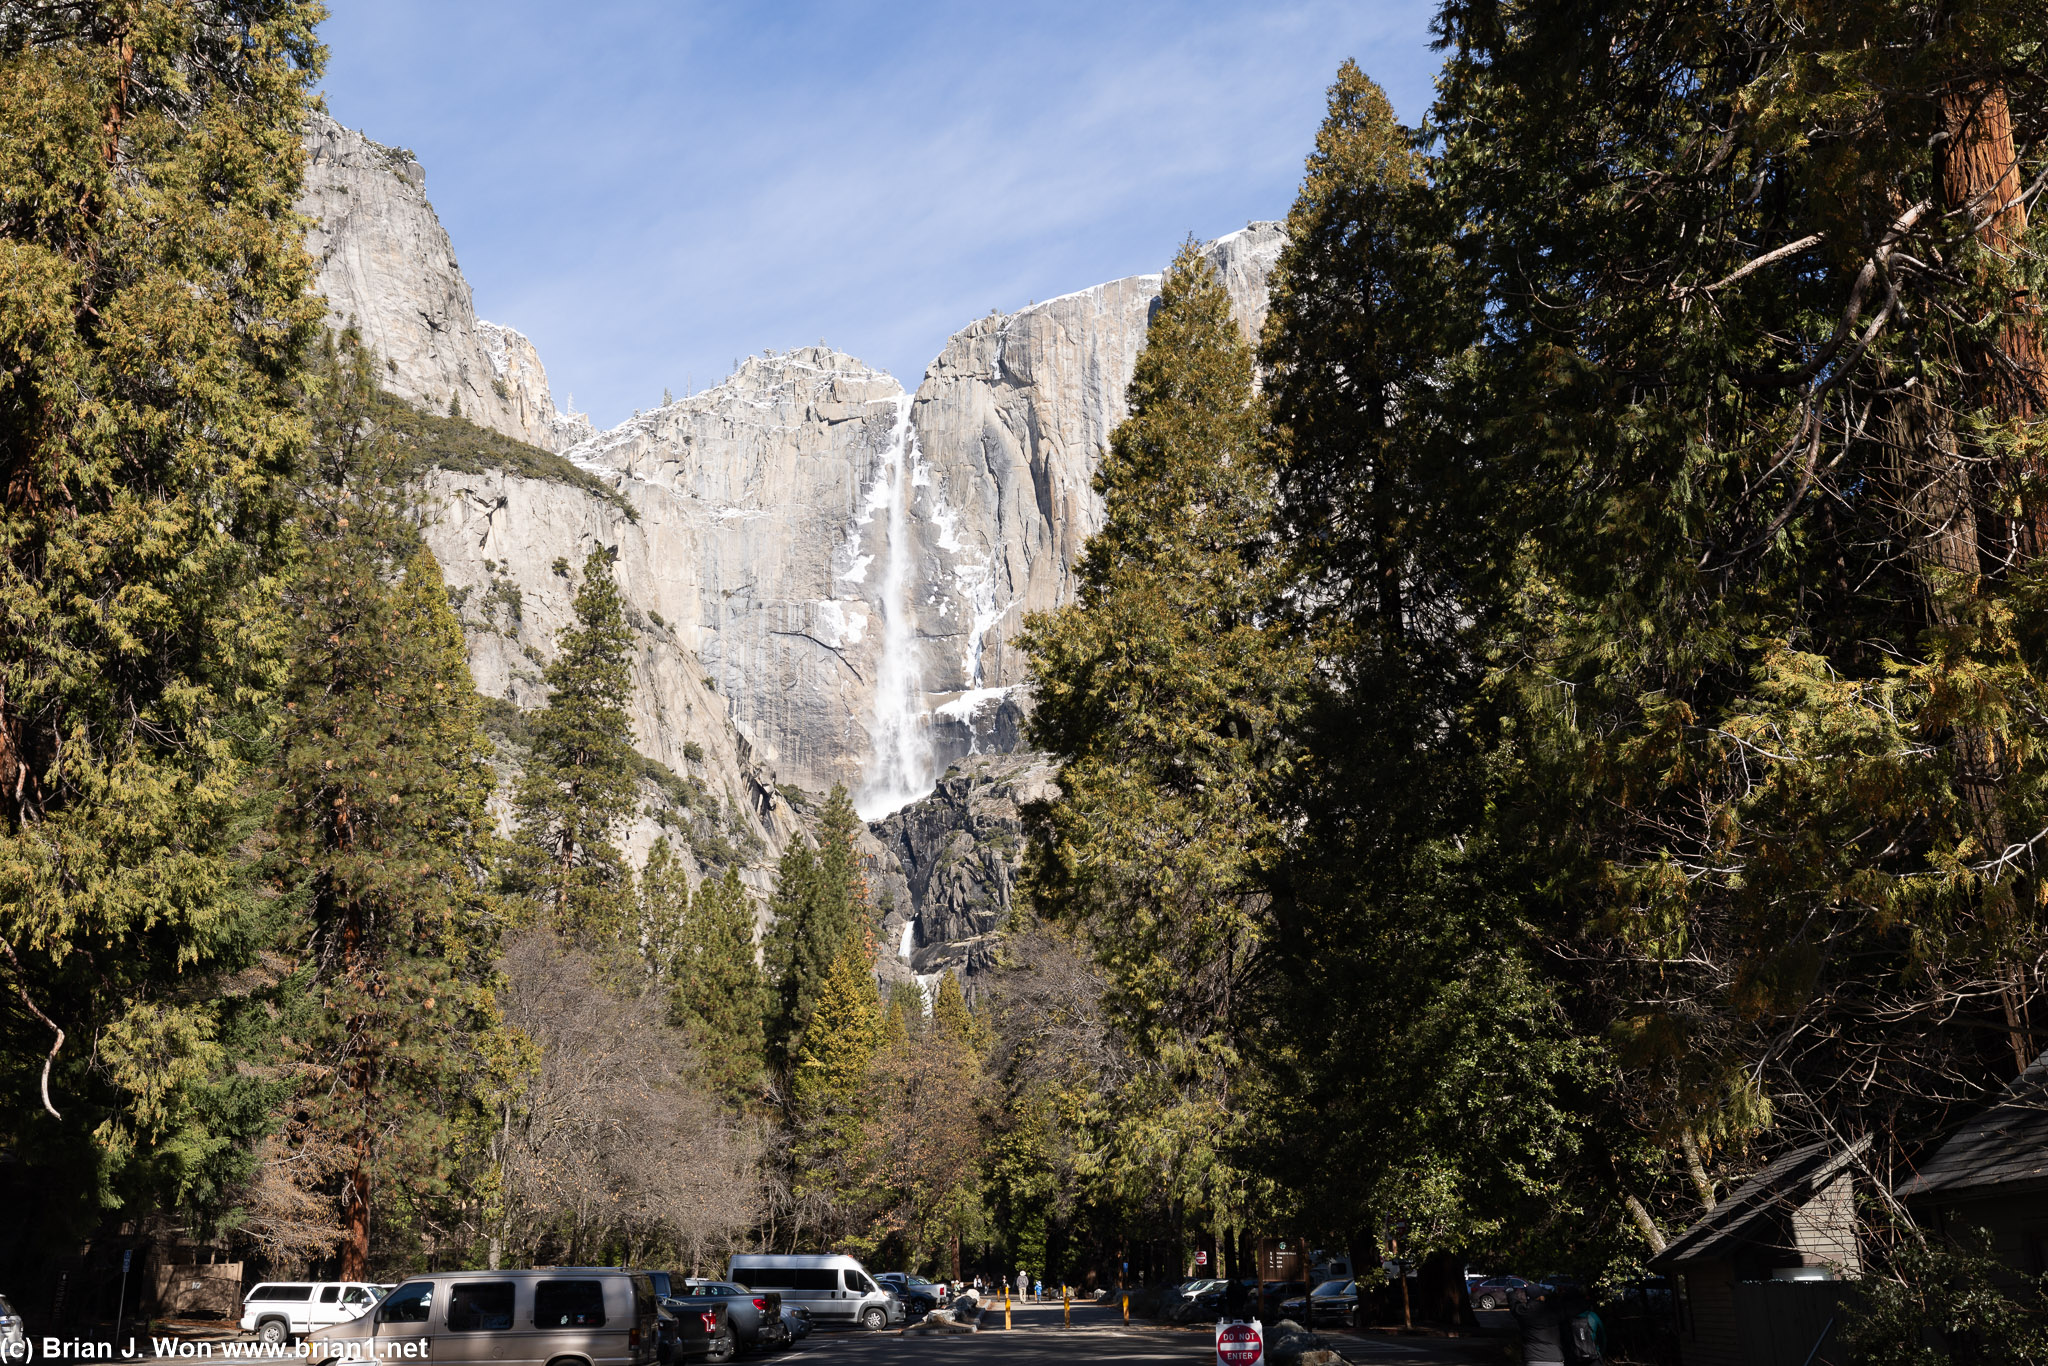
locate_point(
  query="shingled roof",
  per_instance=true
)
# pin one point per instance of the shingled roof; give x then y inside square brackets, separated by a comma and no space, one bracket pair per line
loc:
[2003,1151]
[1753,1213]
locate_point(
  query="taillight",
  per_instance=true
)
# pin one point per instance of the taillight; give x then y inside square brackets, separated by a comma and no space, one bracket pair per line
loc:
[710,1318]
[633,1337]
[761,1305]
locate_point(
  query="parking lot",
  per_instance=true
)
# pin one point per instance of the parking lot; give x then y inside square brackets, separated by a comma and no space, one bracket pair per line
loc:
[1099,1335]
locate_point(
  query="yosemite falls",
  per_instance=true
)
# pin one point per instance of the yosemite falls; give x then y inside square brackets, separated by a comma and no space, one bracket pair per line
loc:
[827,575]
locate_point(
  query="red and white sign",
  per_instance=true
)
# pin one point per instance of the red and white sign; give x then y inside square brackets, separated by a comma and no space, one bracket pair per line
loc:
[1201,1257]
[1240,1344]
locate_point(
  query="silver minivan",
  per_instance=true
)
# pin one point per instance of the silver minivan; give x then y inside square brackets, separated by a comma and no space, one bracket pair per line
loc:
[834,1287]
[578,1316]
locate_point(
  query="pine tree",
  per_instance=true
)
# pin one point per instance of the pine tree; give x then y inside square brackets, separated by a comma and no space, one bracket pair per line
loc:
[820,906]
[951,1017]
[664,905]
[155,311]
[582,779]
[384,775]
[828,1085]
[720,995]
[1165,690]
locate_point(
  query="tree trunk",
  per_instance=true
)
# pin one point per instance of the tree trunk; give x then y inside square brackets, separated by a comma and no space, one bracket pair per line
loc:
[1980,178]
[1696,1168]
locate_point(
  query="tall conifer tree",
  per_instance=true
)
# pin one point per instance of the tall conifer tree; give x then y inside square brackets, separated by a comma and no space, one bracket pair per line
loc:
[720,995]
[1165,689]
[582,778]
[820,906]
[385,777]
[154,316]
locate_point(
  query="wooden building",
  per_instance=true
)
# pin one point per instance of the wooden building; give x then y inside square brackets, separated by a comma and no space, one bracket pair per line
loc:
[1759,1279]
[1992,1174]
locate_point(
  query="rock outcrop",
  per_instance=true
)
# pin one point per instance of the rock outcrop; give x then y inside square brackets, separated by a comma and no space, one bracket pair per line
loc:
[957,850]
[387,267]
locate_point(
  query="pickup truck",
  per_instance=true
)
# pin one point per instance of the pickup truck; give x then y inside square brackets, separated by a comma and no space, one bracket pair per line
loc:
[691,1332]
[755,1315]
[277,1311]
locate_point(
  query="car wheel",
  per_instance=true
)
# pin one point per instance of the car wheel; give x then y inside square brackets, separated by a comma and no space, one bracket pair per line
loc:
[873,1318]
[1489,1302]
[272,1332]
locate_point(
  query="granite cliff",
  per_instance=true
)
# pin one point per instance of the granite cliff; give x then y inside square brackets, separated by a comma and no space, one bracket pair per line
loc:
[827,574]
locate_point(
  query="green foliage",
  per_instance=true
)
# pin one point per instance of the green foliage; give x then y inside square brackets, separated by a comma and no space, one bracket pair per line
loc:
[1960,1297]
[720,996]
[821,912]
[582,777]
[1165,689]
[430,441]
[154,316]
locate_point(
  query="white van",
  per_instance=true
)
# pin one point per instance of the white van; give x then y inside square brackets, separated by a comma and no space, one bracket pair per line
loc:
[834,1287]
[277,1310]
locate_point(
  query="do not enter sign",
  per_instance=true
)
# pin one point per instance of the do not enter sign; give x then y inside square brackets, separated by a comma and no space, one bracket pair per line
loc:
[1239,1344]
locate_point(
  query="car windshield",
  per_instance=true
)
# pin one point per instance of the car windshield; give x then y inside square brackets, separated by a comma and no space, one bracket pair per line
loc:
[918,1281]
[1332,1287]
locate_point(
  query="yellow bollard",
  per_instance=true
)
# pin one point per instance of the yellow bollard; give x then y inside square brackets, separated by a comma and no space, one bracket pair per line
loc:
[1127,1308]
[1006,1307]
[1066,1305]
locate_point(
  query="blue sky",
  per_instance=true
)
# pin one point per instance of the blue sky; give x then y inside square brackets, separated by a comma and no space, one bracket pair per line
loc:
[650,190]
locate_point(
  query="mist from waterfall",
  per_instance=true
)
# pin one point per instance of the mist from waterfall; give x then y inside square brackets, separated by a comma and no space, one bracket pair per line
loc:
[900,765]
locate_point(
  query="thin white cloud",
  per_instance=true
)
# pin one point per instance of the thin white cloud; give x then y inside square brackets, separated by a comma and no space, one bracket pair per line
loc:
[652,190]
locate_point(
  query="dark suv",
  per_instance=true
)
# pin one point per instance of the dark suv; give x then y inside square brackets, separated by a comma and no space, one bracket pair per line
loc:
[919,1295]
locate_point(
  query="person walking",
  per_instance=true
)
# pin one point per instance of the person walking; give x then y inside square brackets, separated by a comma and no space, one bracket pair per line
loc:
[1038,1287]
[1543,1326]
[1023,1284]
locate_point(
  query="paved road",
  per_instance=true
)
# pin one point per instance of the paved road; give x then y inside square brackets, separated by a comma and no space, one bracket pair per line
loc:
[1098,1335]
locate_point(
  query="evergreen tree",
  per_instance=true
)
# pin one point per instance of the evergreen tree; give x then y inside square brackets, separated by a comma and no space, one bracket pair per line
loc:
[829,1086]
[155,311]
[952,1019]
[820,907]
[720,996]
[1165,689]
[385,777]
[664,905]
[582,778]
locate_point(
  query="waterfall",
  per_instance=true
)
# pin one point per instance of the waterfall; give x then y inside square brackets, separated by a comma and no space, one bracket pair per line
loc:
[900,765]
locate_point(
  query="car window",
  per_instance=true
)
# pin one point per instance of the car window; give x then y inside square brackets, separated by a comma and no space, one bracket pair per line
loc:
[480,1307]
[355,1294]
[1330,1288]
[410,1303]
[568,1304]
[330,1294]
[814,1278]
[282,1292]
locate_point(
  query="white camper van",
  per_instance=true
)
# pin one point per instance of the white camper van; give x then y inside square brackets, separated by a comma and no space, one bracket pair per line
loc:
[835,1288]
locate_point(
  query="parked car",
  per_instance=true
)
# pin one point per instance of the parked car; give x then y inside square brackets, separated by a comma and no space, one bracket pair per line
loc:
[277,1311]
[594,1315]
[1273,1293]
[755,1315]
[1493,1292]
[1216,1300]
[1331,1301]
[835,1288]
[1178,1302]
[796,1321]
[13,1335]
[919,1295]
